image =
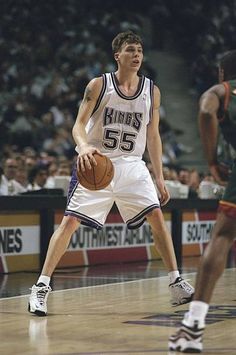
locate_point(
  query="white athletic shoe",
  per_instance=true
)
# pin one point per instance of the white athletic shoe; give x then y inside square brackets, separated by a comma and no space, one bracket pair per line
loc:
[181,292]
[38,299]
[188,339]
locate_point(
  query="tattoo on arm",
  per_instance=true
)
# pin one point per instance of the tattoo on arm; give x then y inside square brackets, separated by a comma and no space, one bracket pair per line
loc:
[87,94]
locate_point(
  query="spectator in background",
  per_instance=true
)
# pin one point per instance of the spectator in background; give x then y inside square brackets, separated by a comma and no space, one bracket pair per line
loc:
[194,182]
[184,176]
[59,168]
[37,101]
[190,178]
[8,184]
[30,162]
[208,177]
[22,172]
[22,176]
[38,177]
[64,169]
[172,148]
[60,143]
[173,174]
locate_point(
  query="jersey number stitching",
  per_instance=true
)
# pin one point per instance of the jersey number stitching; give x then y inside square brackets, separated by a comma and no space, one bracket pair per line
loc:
[114,138]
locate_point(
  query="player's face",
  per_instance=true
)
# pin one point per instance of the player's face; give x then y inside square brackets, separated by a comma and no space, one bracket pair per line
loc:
[130,56]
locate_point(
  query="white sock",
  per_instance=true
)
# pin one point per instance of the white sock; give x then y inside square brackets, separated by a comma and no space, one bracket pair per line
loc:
[173,275]
[197,312]
[44,279]
[198,309]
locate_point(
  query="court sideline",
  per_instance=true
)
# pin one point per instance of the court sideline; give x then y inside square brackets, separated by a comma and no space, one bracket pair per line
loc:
[115,309]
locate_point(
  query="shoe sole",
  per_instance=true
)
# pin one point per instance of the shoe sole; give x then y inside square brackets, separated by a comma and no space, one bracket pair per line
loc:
[38,313]
[187,350]
[185,300]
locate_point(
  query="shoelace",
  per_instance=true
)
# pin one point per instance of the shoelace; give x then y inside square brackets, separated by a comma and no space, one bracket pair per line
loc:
[187,287]
[41,294]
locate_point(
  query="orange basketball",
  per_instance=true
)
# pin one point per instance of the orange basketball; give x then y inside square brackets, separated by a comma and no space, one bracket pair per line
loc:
[99,176]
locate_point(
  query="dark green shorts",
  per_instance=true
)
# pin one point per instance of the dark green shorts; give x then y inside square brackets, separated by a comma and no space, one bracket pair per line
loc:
[230,191]
[228,202]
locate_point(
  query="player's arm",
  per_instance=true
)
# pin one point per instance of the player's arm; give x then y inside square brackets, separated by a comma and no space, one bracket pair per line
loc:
[208,125]
[154,146]
[87,105]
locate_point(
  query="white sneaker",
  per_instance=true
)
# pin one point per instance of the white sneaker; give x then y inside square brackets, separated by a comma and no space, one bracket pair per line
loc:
[38,299]
[181,292]
[188,339]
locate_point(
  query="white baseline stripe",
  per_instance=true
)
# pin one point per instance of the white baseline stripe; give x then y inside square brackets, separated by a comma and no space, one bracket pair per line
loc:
[104,285]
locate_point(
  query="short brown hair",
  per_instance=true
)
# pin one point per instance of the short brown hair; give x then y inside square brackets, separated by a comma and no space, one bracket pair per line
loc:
[228,64]
[125,37]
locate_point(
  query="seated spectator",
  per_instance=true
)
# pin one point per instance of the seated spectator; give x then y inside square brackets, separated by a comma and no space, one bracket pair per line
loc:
[30,162]
[22,172]
[59,168]
[208,177]
[190,178]
[38,177]
[170,173]
[194,182]
[64,169]
[166,173]
[184,176]
[8,183]
[173,174]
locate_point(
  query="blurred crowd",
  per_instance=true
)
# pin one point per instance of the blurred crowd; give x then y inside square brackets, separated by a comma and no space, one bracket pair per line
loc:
[30,172]
[190,183]
[201,30]
[49,53]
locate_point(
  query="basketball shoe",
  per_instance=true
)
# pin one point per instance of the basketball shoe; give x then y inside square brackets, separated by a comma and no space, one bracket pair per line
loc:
[38,299]
[188,339]
[181,292]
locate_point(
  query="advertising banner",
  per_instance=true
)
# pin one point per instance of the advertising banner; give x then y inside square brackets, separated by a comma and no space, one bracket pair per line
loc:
[19,242]
[196,231]
[113,243]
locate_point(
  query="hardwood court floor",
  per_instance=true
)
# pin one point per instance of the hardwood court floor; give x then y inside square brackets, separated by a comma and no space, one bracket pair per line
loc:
[129,316]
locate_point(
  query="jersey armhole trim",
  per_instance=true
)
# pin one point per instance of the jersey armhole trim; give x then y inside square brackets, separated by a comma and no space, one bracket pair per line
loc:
[152,100]
[104,85]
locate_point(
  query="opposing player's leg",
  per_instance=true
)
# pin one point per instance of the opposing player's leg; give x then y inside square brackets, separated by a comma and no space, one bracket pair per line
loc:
[57,247]
[181,291]
[215,257]
[189,337]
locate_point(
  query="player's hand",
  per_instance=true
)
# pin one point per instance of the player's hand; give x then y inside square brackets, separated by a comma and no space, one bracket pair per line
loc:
[85,158]
[220,173]
[164,195]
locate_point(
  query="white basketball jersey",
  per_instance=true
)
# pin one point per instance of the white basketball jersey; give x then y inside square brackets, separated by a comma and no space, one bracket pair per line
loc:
[118,124]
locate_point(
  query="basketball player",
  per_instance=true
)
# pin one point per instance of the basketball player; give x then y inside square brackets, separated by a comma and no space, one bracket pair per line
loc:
[217,108]
[118,114]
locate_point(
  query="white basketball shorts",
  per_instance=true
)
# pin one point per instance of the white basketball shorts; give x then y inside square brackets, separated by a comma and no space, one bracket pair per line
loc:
[132,190]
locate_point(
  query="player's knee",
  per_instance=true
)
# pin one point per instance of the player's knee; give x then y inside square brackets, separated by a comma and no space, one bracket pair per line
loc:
[156,219]
[223,232]
[69,224]
[155,214]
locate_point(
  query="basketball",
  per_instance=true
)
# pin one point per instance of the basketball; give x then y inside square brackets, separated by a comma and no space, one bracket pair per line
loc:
[99,176]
